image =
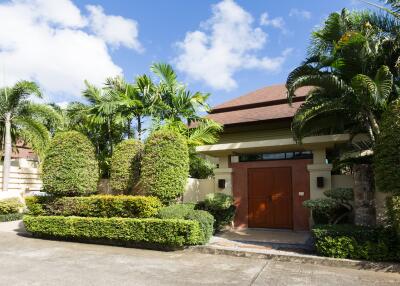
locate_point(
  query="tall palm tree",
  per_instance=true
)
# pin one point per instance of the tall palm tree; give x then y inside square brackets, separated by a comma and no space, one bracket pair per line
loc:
[23,120]
[175,101]
[352,85]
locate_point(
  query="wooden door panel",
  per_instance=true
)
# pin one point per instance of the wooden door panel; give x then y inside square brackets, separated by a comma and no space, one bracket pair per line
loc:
[270,198]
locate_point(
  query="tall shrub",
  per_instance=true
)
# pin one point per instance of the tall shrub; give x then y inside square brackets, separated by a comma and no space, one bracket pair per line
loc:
[125,166]
[165,165]
[70,167]
[387,152]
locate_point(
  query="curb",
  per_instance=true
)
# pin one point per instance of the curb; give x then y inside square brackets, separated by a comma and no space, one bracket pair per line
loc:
[309,259]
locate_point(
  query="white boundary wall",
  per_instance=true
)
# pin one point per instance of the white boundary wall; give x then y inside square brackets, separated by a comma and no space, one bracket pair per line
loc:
[197,189]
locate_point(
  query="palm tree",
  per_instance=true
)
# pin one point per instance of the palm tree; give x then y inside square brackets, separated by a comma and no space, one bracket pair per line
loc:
[23,120]
[135,101]
[174,100]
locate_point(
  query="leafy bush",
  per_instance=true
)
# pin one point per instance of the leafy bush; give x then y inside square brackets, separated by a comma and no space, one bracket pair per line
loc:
[11,217]
[221,207]
[36,205]
[148,231]
[97,206]
[356,242]
[387,150]
[206,221]
[165,165]
[125,166]
[187,211]
[393,213]
[179,211]
[70,167]
[200,168]
[335,208]
[10,206]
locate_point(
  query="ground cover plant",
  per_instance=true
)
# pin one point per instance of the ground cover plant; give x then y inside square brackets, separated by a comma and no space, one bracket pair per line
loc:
[10,209]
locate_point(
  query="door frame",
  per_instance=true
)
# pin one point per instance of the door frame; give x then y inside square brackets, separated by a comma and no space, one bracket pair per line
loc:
[300,184]
[290,194]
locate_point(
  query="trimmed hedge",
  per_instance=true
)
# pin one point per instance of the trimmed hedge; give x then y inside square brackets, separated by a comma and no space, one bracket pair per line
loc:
[10,206]
[165,166]
[95,206]
[221,207]
[387,150]
[187,211]
[150,231]
[70,167]
[356,242]
[11,217]
[125,166]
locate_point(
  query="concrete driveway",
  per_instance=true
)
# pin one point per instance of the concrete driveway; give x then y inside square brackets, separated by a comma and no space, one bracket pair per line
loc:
[29,261]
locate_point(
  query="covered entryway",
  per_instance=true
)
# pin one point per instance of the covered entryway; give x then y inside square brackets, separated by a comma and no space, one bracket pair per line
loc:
[270,197]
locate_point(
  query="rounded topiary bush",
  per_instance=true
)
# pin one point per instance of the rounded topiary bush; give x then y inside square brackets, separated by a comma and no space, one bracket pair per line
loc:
[387,152]
[125,166]
[70,167]
[165,165]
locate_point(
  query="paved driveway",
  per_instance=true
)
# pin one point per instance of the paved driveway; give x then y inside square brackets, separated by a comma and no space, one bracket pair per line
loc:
[29,261]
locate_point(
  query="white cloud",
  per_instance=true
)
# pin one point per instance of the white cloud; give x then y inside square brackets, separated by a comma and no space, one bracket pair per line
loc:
[115,30]
[298,13]
[225,44]
[49,41]
[277,22]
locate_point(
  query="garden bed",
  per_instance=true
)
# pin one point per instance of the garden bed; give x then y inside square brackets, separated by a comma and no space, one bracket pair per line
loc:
[11,217]
[148,232]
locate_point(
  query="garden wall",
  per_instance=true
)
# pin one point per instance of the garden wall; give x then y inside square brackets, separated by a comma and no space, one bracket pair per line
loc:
[197,189]
[24,176]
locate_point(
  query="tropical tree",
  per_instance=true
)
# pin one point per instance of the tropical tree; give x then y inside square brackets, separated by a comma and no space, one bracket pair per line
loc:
[175,102]
[23,120]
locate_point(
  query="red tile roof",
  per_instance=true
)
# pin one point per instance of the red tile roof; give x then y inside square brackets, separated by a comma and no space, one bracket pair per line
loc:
[265,104]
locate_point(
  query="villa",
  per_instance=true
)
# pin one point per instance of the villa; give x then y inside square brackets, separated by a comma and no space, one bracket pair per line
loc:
[259,163]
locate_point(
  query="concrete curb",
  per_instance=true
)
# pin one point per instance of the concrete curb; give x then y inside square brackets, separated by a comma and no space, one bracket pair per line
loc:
[302,258]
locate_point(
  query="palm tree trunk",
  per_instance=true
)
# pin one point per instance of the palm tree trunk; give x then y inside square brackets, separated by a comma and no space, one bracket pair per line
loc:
[139,127]
[129,122]
[7,152]
[374,123]
[364,203]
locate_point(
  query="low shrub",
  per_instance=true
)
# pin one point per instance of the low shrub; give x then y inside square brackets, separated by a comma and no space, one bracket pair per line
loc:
[11,217]
[393,212]
[148,231]
[335,208]
[221,207]
[179,211]
[356,242]
[96,206]
[187,211]
[200,168]
[10,206]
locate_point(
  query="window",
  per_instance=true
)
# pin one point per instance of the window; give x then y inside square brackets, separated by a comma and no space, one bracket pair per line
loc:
[275,156]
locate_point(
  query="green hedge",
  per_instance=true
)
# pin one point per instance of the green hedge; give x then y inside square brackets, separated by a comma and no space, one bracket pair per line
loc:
[387,150]
[125,166]
[356,242]
[70,167]
[11,217]
[151,231]
[96,206]
[165,165]
[10,206]
[187,211]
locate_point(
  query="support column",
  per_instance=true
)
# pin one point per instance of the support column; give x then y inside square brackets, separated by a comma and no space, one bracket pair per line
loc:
[319,168]
[223,172]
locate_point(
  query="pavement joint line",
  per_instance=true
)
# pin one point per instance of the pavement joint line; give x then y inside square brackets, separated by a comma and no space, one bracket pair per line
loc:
[259,272]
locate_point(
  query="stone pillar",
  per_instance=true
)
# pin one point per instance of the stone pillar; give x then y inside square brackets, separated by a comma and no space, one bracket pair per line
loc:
[364,203]
[223,172]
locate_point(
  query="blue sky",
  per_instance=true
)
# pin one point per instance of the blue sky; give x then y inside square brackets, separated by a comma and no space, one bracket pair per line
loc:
[265,40]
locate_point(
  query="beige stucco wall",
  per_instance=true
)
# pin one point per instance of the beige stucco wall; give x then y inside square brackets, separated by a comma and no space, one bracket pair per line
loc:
[197,189]
[24,176]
